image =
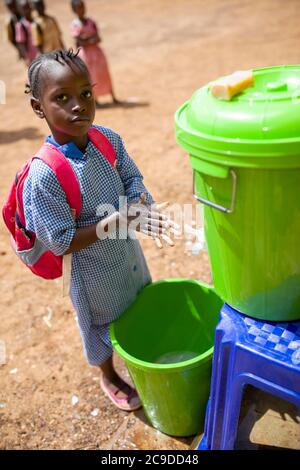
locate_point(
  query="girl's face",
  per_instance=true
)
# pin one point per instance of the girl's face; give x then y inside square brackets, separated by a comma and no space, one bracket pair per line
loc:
[80,10]
[67,102]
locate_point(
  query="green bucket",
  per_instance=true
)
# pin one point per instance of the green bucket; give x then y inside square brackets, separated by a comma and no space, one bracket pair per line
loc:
[166,340]
[245,155]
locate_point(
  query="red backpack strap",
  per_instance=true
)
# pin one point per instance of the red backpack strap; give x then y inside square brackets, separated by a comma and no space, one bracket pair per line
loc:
[103,145]
[64,173]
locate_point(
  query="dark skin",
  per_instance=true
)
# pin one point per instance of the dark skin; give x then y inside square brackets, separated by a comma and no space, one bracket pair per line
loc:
[80,10]
[25,9]
[66,102]
[39,7]
[13,8]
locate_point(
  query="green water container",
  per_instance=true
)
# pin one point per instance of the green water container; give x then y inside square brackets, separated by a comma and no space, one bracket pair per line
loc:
[166,340]
[245,155]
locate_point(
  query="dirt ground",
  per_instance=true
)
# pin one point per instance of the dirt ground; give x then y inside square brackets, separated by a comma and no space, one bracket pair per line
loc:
[159,52]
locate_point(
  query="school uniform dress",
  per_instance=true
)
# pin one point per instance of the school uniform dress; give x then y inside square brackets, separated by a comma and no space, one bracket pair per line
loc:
[24,36]
[106,276]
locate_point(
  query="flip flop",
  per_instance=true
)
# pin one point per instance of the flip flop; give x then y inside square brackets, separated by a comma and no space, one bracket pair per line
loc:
[129,403]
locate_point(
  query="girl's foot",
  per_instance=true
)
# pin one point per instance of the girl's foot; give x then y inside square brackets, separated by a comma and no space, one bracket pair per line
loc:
[120,393]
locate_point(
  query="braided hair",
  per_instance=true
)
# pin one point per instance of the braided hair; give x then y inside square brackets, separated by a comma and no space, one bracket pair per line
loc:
[43,61]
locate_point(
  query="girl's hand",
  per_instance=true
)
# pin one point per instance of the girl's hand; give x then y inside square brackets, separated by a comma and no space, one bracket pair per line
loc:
[141,217]
[150,220]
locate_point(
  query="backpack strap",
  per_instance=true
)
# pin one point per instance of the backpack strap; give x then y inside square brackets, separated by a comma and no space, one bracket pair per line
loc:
[64,173]
[103,145]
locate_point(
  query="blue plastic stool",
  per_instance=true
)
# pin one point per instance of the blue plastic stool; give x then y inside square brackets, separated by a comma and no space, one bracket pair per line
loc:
[248,351]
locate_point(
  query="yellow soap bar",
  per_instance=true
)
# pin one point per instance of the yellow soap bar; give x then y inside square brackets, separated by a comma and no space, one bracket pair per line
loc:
[227,87]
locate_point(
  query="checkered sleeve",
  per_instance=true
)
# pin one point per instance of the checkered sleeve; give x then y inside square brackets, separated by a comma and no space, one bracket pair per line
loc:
[128,170]
[47,212]
[131,176]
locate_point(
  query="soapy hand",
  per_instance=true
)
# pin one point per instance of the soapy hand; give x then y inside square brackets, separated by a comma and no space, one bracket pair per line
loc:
[141,217]
[151,221]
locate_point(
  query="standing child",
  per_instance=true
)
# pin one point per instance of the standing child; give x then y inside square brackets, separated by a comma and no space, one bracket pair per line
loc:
[11,24]
[107,272]
[24,32]
[46,34]
[85,32]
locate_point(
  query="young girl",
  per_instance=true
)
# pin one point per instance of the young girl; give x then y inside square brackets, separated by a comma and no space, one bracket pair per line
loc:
[11,24]
[107,274]
[45,30]
[24,32]
[85,32]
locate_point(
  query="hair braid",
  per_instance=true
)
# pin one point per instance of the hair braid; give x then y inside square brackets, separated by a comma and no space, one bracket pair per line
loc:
[33,77]
[37,65]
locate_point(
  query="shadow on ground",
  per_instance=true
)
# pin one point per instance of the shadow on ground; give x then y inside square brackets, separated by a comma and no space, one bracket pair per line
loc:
[10,137]
[123,104]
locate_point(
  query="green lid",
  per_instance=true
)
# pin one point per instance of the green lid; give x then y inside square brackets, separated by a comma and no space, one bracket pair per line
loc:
[255,128]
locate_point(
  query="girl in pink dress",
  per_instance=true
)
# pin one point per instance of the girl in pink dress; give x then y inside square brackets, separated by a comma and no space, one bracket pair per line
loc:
[24,33]
[85,31]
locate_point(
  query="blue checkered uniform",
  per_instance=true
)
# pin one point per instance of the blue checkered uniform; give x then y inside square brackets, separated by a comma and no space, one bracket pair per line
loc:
[107,275]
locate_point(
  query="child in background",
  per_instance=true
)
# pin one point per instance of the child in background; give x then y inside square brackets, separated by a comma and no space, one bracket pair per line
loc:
[24,32]
[85,32]
[11,23]
[107,273]
[46,34]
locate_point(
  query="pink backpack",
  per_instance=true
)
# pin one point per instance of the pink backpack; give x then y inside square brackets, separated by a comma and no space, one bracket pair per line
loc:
[24,242]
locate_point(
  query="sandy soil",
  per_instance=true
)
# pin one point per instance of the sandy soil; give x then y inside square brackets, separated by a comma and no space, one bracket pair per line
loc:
[159,52]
